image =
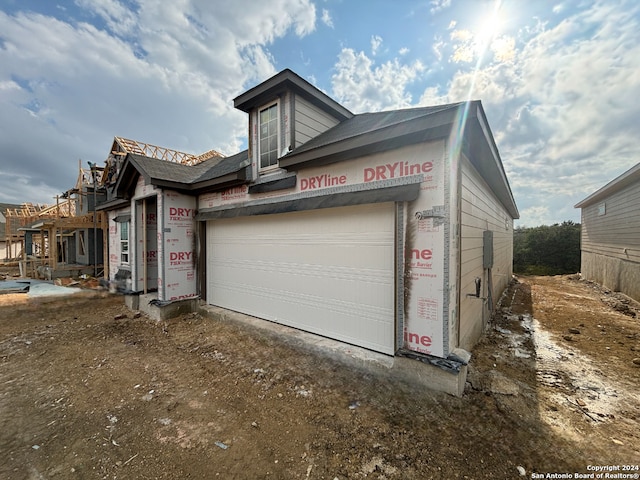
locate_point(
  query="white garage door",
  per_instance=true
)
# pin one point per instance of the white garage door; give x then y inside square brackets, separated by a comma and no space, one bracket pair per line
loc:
[328,271]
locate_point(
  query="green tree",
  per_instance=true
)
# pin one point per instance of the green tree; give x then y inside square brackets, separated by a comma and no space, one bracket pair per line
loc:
[547,250]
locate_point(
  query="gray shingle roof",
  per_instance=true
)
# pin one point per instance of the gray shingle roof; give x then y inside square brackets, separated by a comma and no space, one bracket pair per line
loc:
[188,174]
[176,175]
[224,166]
[367,123]
[157,169]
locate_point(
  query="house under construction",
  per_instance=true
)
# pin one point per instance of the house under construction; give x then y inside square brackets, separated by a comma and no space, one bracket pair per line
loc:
[64,239]
[80,232]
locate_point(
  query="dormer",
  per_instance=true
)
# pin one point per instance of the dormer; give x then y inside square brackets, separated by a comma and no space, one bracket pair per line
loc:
[285,112]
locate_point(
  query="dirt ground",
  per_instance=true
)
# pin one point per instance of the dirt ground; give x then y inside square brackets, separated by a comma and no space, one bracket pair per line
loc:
[91,390]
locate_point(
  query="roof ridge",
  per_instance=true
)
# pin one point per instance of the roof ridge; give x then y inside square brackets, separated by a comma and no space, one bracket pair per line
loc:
[423,107]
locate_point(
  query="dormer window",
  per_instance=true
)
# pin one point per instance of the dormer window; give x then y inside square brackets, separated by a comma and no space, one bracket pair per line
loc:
[268,136]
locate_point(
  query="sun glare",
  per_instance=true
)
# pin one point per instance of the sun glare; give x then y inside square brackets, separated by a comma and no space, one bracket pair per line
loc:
[489,27]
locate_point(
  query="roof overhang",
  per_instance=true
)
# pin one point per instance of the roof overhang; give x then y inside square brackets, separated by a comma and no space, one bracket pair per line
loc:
[224,181]
[479,147]
[288,81]
[131,171]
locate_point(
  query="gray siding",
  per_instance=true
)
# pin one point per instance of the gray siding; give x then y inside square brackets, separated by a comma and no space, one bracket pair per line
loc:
[618,229]
[309,120]
[610,242]
[480,211]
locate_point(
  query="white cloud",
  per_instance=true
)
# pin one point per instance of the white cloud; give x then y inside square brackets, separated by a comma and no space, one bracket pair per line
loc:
[437,47]
[9,85]
[362,86]
[439,5]
[326,18]
[403,51]
[119,19]
[376,41]
[158,73]
[503,48]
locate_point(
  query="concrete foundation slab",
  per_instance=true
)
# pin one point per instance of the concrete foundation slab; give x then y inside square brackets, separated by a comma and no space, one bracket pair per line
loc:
[36,288]
[406,369]
[149,305]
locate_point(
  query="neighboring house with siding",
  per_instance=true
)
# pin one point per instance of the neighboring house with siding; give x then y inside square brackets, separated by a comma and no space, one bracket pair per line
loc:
[392,231]
[610,239]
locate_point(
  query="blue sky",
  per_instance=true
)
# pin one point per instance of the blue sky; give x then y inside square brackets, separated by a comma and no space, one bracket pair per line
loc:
[559,81]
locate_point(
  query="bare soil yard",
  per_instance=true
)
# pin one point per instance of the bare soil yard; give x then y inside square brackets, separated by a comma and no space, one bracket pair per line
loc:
[88,390]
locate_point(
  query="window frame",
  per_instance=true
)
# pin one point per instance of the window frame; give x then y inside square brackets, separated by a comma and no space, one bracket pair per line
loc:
[267,106]
[125,253]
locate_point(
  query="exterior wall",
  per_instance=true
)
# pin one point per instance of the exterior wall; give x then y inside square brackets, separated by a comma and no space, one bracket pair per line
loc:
[166,219]
[115,263]
[309,120]
[136,242]
[453,193]
[284,131]
[146,245]
[613,273]
[426,267]
[299,120]
[610,241]
[480,211]
[177,246]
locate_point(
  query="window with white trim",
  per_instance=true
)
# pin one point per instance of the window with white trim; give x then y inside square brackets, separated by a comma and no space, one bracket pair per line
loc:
[124,242]
[268,136]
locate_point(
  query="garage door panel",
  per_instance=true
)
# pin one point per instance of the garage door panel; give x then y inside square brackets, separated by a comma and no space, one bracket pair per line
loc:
[332,278]
[355,254]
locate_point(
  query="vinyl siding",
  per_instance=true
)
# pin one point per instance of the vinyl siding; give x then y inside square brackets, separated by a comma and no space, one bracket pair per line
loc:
[617,229]
[480,211]
[610,243]
[309,120]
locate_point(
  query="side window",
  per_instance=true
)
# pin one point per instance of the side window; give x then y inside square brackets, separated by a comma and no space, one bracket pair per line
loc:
[124,242]
[268,136]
